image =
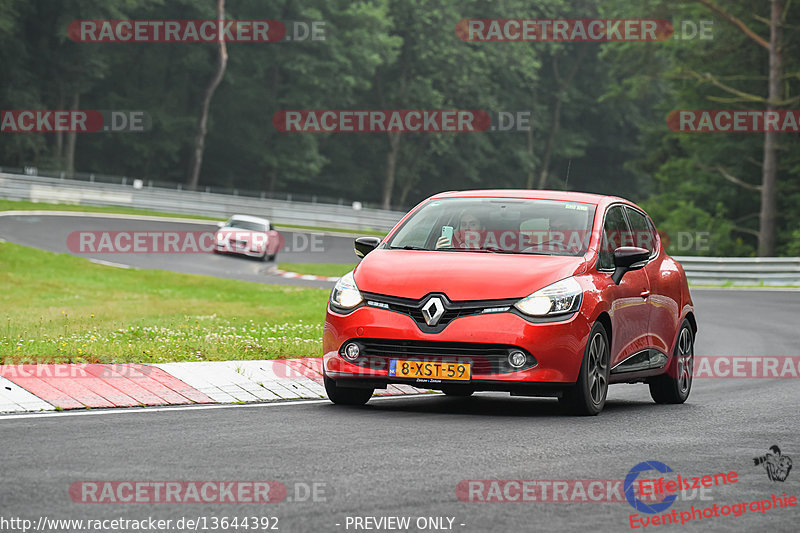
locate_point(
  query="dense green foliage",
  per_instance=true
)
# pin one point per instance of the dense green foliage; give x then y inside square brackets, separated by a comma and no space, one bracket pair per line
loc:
[600,107]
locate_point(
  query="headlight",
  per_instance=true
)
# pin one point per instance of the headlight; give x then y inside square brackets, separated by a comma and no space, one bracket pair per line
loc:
[220,237]
[557,299]
[345,293]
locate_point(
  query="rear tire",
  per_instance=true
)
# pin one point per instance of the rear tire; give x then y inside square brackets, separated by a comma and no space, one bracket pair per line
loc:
[668,389]
[346,395]
[588,396]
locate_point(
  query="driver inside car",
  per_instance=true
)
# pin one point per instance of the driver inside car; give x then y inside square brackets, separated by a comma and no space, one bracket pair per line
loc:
[467,223]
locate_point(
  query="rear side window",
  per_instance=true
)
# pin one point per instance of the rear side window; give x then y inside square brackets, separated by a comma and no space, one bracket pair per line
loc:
[616,233]
[643,234]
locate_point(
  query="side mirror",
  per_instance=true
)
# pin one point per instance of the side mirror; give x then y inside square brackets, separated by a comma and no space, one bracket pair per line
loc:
[628,258]
[220,224]
[365,245]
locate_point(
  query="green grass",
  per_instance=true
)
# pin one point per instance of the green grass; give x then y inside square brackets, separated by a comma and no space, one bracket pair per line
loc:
[60,308]
[23,205]
[318,269]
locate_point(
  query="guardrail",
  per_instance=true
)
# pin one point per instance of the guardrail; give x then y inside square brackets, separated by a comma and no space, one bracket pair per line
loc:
[742,270]
[42,189]
[711,270]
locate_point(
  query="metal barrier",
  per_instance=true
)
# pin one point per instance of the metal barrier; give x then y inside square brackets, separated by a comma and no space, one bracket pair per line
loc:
[42,189]
[742,270]
[711,270]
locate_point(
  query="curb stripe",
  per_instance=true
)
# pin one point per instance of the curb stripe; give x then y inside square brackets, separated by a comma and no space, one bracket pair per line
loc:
[312,277]
[76,386]
[15,398]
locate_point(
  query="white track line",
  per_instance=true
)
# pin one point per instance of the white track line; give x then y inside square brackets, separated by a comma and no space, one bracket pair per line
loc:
[107,263]
[132,410]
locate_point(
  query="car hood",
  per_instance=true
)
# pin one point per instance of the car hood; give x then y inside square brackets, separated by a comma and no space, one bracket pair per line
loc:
[461,275]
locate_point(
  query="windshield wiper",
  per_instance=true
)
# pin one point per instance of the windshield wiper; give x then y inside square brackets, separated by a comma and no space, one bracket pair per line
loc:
[486,250]
[492,250]
[408,247]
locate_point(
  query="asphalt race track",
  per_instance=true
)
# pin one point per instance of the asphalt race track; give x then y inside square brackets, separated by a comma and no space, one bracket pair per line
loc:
[405,456]
[50,232]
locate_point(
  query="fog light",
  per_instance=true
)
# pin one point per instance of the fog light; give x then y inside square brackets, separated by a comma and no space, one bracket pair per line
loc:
[516,359]
[352,351]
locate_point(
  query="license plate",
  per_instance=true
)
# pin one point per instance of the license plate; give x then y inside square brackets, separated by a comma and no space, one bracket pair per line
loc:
[429,370]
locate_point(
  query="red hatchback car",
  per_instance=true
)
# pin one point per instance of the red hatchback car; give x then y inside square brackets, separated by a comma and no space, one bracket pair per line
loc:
[536,293]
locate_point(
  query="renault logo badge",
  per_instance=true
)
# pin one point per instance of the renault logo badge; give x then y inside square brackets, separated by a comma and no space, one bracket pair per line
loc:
[432,311]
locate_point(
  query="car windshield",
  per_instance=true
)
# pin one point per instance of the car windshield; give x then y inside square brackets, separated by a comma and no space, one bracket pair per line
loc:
[498,225]
[246,224]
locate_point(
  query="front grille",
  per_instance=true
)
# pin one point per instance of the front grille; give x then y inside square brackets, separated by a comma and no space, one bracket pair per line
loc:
[485,358]
[452,310]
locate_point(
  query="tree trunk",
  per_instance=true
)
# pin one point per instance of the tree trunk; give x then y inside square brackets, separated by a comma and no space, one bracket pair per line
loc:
[273,178]
[60,135]
[548,149]
[531,170]
[72,138]
[404,191]
[769,170]
[563,84]
[391,164]
[200,139]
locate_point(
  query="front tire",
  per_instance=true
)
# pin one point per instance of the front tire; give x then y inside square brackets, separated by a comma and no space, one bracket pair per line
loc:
[588,396]
[668,389]
[346,395]
[457,392]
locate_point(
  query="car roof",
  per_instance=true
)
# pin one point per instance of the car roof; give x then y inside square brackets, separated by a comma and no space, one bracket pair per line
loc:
[248,218]
[533,194]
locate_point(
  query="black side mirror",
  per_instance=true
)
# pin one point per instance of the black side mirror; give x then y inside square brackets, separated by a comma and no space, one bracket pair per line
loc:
[365,245]
[628,258]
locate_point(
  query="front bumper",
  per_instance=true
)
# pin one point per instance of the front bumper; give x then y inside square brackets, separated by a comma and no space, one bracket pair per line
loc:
[228,248]
[557,348]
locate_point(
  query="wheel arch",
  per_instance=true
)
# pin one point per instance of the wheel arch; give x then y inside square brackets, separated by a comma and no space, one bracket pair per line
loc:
[605,319]
[692,322]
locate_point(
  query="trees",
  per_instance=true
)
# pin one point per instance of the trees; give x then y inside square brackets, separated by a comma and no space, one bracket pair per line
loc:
[735,178]
[775,99]
[196,160]
[597,109]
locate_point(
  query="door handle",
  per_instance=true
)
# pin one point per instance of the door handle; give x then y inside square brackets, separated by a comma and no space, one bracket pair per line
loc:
[645,293]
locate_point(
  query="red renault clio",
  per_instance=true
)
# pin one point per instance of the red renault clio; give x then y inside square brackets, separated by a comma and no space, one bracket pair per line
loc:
[536,293]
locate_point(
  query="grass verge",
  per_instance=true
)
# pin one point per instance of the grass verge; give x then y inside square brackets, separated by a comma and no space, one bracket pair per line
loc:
[318,269]
[60,308]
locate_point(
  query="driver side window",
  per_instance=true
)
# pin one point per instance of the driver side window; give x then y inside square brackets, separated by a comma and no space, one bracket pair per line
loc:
[615,232]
